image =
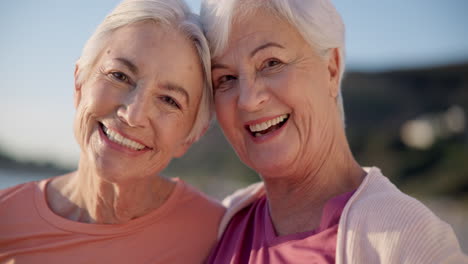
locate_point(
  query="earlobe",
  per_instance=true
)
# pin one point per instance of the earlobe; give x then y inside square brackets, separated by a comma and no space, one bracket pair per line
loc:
[334,62]
[77,92]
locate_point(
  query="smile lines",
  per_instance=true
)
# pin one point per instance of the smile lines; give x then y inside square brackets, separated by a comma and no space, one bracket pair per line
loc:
[119,139]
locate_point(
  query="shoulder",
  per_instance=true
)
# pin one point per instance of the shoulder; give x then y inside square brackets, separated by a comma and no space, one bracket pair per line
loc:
[192,217]
[381,217]
[194,201]
[18,209]
[377,199]
[17,192]
[244,196]
[189,192]
[238,201]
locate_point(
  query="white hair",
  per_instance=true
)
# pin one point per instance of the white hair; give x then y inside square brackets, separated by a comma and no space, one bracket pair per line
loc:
[318,22]
[174,13]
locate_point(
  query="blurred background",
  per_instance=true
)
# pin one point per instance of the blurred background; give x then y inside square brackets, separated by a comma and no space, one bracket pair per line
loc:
[405,92]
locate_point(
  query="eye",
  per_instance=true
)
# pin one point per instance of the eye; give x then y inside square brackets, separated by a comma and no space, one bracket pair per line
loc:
[271,63]
[120,76]
[170,101]
[224,81]
[226,78]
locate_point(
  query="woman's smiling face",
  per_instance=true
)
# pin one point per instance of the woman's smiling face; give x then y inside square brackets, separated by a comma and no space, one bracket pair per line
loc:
[275,96]
[139,103]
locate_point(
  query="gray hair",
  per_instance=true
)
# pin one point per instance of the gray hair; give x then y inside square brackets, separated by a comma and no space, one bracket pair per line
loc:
[174,13]
[317,21]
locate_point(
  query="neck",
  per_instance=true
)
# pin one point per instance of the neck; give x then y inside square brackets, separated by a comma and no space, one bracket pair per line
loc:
[296,201]
[85,196]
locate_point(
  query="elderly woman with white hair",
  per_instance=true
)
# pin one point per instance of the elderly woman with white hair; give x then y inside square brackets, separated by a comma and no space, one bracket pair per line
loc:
[142,96]
[277,67]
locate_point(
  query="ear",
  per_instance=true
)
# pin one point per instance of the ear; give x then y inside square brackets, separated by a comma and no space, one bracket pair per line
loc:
[77,93]
[334,62]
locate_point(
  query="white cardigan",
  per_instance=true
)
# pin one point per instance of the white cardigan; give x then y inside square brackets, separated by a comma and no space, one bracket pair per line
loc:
[379,224]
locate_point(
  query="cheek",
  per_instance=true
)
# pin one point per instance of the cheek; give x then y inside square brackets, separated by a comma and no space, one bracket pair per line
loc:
[170,127]
[82,124]
[226,108]
[227,118]
[97,101]
[308,88]
[102,99]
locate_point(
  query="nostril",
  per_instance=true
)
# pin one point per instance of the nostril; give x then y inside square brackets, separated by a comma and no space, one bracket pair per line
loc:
[134,114]
[122,114]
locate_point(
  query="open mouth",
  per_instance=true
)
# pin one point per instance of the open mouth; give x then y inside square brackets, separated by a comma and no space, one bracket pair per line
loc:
[260,129]
[121,140]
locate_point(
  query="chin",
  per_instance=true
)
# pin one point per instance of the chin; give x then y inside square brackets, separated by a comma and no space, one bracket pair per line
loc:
[110,170]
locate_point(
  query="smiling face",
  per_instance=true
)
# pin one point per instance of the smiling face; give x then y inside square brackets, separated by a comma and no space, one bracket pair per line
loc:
[138,105]
[275,96]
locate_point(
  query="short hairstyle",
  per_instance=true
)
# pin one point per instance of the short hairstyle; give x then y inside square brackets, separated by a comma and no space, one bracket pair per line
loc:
[174,13]
[318,22]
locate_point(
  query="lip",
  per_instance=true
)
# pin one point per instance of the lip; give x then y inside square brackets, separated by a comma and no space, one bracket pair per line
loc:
[119,147]
[261,120]
[269,136]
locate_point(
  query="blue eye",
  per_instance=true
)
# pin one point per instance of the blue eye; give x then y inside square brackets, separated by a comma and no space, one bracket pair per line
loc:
[170,101]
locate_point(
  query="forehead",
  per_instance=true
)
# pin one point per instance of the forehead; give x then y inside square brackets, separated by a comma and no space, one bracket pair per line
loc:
[157,50]
[258,27]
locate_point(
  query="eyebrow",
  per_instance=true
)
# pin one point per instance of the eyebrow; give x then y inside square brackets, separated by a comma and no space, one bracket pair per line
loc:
[132,67]
[178,89]
[264,46]
[257,49]
[218,66]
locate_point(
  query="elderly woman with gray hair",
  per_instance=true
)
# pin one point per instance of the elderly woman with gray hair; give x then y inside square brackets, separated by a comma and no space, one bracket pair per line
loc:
[142,96]
[277,66]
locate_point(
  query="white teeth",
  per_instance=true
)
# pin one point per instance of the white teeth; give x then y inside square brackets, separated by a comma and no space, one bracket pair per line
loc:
[119,139]
[265,125]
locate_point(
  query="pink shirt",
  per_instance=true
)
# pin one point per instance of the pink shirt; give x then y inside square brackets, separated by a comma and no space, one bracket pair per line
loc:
[250,237]
[182,230]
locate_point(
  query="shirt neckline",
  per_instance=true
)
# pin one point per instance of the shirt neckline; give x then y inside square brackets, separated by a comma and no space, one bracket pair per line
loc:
[325,222]
[102,229]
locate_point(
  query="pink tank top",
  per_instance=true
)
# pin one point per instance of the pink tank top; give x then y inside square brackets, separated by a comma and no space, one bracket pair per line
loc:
[251,238]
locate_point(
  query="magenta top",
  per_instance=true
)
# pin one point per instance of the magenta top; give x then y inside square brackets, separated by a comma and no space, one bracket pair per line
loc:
[251,238]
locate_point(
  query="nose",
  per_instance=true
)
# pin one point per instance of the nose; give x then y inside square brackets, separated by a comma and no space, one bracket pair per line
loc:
[253,95]
[135,109]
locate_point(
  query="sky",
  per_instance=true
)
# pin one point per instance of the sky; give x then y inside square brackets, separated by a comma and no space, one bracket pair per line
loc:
[41,40]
